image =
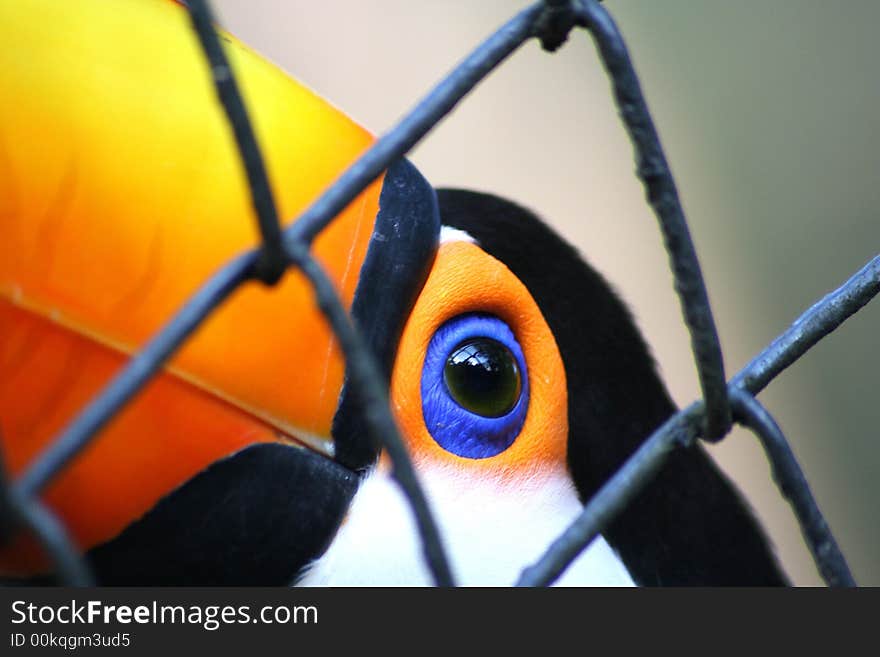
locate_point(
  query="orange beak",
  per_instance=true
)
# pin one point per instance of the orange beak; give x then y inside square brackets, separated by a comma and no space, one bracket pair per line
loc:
[121,191]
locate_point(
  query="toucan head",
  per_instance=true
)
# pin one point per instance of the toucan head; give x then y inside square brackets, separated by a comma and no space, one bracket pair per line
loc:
[517,377]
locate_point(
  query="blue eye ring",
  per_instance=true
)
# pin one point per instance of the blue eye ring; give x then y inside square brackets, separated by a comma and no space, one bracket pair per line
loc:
[453,427]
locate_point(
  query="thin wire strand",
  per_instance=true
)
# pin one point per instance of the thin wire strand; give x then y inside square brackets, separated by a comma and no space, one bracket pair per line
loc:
[365,377]
[683,427]
[400,139]
[416,124]
[613,497]
[653,170]
[794,488]
[393,145]
[135,375]
[18,511]
[360,363]
[69,567]
[822,318]
[547,21]
[271,264]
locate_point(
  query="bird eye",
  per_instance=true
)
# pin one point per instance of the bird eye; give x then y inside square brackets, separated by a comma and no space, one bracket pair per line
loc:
[474,386]
[482,376]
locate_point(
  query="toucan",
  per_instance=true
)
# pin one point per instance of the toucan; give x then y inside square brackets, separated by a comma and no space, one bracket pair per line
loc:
[515,373]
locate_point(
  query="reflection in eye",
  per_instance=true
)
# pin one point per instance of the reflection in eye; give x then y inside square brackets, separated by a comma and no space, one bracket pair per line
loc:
[482,376]
[474,386]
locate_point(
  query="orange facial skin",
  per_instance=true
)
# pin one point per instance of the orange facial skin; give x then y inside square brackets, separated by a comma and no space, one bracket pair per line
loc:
[121,192]
[466,279]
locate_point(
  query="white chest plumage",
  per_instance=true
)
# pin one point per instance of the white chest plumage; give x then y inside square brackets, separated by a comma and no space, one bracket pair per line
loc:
[490,532]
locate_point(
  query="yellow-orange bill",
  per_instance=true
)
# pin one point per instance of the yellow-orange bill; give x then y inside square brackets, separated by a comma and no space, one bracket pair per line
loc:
[121,191]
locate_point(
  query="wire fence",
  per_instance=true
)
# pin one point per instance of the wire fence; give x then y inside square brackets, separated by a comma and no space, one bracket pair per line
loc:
[723,403]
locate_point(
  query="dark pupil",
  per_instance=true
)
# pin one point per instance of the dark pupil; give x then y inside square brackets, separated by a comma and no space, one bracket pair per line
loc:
[482,376]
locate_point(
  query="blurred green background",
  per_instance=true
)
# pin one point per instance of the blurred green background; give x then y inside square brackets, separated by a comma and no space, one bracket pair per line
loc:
[770,113]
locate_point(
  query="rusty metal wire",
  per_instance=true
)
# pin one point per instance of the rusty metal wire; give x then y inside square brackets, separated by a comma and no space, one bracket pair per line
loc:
[711,418]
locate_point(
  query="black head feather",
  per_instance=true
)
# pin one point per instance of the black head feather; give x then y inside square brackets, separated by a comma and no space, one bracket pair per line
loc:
[690,526]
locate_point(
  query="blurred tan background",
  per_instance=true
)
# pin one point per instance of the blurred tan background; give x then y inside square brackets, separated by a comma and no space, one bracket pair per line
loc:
[770,114]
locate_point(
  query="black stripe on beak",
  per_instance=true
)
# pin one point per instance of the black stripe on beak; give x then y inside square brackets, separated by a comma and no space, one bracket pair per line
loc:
[400,254]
